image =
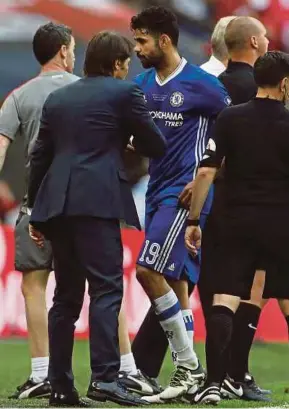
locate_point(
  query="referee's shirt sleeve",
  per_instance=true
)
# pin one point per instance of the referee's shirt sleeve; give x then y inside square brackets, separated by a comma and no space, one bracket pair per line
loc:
[9,117]
[217,145]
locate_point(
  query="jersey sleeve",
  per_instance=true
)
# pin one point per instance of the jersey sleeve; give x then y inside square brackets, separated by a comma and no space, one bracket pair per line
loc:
[217,145]
[213,97]
[9,118]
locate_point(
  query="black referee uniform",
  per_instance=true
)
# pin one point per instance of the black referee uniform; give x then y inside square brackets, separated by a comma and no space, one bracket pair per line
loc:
[239,81]
[253,138]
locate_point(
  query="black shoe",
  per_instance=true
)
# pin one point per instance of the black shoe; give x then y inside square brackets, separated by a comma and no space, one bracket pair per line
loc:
[231,389]
[114,392]
[139,383]
[251,391]
[208,394]
[31,389]
[71,399]
[250,379]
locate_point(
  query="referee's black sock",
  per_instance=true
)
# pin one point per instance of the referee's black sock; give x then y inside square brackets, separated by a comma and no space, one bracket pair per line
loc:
[245,324]
[219,332]
[287,320]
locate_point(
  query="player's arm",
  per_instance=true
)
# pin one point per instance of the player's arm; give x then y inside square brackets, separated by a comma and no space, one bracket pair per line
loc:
[9,125]
[41,156]
[214,97]
[212,161]
[4,143]
[147,138]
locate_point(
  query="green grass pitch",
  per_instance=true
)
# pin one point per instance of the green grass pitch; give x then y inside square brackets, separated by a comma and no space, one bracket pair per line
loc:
[269,364]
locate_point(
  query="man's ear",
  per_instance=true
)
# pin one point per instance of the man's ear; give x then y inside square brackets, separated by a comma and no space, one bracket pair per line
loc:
[164,41]
[254,42]
[117,65]
[63,52]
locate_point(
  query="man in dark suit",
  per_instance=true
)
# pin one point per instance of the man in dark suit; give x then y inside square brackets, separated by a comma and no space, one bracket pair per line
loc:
[79,193]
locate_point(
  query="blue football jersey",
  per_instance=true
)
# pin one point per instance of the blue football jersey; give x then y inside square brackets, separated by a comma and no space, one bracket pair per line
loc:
[184,107]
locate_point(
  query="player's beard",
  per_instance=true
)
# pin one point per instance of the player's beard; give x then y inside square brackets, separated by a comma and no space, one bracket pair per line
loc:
[151,61]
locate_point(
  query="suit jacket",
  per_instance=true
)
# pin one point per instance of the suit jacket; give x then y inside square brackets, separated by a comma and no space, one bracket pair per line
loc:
[76,163]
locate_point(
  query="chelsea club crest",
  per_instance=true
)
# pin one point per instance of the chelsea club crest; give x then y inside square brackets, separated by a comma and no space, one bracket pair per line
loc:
[177,99]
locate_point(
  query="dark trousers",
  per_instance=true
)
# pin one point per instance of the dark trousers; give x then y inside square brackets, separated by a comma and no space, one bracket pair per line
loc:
[85,248]
[151,341]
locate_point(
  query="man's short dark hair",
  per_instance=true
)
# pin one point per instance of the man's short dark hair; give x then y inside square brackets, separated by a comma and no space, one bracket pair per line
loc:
[49,39]
[271,68]
[157,21]
[103,50]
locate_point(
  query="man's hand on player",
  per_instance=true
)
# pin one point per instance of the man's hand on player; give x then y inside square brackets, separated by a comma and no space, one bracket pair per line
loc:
[193,239]
[185,196]
[129,146]
[36,236]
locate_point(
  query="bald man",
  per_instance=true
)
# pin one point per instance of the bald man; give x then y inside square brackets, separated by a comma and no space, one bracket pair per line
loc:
[245,39]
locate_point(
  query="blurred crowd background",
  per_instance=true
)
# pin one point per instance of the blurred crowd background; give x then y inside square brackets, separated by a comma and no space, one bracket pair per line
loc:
[19,20]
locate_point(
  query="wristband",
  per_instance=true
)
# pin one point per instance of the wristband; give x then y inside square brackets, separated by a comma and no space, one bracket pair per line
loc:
[191,222]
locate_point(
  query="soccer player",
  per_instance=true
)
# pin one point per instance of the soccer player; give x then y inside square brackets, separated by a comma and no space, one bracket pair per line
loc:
[53,47]
[183,101]
[255,221]
[150,338]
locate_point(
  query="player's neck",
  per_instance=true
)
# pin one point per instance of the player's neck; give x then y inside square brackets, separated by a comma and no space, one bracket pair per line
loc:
[244,57]
[170,64]
[52,66]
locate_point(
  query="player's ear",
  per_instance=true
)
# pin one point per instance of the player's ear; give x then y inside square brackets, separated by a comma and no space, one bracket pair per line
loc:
[164,41]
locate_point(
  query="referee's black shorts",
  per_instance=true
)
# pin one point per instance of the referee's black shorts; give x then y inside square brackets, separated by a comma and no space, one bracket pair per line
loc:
[277,281]
[249,239]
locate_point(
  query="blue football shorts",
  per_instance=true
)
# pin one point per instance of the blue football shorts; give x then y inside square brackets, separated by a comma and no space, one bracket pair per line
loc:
[164,247]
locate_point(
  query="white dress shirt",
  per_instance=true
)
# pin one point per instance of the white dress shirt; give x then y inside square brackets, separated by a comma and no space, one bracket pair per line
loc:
[213,66]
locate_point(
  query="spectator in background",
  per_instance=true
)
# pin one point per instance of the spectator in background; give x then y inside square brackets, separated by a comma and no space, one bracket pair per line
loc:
[219,58]
[195,10]
[273,13]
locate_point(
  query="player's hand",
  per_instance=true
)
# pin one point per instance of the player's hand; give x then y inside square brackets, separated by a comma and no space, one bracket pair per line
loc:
[36,236]
[185,196]
[193,239]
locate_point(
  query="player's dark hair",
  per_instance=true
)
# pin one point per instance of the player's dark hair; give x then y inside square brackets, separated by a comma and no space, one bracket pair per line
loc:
[49,39]
[270,69]
[157,21]
[103,50]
